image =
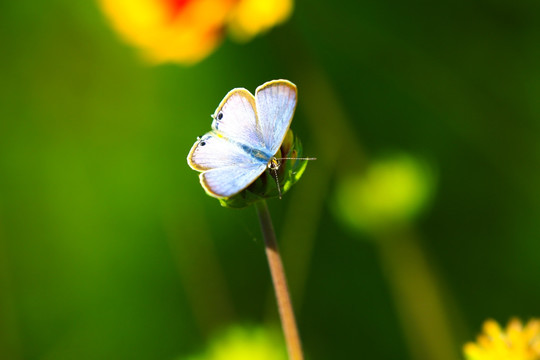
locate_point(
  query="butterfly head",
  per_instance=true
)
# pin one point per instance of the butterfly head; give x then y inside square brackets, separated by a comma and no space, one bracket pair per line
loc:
[274,164]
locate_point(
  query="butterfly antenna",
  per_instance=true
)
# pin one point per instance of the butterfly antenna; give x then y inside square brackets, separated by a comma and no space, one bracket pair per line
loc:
[290,158]
[274,171]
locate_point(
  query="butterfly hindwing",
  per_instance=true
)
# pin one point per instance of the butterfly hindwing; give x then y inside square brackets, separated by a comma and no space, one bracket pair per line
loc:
[236,118]
[228,181]
[275,102]
[226,167]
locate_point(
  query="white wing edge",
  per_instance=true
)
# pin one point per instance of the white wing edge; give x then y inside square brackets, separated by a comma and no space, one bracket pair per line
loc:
[278,81]
[218,196]
[231,93]
[190,155]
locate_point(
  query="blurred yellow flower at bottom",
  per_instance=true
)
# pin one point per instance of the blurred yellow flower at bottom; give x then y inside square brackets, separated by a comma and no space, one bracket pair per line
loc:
[241,343]
[517,342]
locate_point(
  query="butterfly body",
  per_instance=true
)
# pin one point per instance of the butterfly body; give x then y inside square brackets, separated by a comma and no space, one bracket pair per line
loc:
[247,132]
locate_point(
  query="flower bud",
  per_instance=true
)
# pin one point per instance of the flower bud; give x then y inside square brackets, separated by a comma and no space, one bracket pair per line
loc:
[392,191]
[244,343]
[265,187]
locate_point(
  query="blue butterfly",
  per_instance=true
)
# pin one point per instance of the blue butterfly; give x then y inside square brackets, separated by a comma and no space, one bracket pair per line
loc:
[247,132]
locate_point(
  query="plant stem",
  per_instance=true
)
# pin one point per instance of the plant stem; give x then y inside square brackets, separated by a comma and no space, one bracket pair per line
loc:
[418,295]
[286,312]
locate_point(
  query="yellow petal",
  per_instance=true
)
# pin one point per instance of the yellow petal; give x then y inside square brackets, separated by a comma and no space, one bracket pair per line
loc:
[250,17]
[513,343]
[183,37]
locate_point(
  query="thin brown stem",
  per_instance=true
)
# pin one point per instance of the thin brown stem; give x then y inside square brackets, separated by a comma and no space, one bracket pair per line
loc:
[285,308]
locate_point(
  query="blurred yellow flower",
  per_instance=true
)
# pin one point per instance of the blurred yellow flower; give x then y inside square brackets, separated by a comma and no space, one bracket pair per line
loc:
[514,343]
[251,17]
[391,191]
[186,31]
[240,343]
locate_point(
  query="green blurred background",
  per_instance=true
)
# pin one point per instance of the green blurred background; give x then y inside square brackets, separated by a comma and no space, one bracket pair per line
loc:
[109,248]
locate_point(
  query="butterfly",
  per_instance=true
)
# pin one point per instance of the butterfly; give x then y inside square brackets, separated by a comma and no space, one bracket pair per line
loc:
[247,132]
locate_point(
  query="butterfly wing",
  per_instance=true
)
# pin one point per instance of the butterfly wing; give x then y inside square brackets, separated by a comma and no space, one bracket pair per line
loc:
[236,119]
[275,102]
[236,152]
[226,168]
[213,151]
[228,181]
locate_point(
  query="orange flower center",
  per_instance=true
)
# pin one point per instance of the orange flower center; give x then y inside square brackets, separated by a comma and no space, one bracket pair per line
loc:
[176,6]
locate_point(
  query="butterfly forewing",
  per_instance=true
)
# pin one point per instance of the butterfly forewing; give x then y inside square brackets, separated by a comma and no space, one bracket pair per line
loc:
[275,102]
[212,151]
[236,119]
[228,181]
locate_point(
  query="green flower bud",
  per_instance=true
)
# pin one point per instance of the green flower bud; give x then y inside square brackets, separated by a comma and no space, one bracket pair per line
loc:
[244,343]
[391,192]
[265,187]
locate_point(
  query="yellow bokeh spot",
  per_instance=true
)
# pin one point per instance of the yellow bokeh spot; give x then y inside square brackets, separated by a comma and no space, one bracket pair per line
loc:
[252,17]
[186,37]
[190,33]
[391,191]
[516,342]
[240,343]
